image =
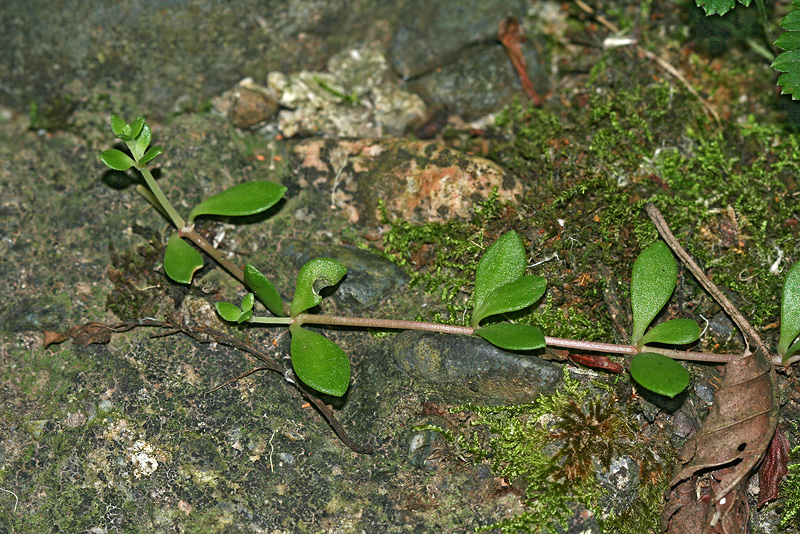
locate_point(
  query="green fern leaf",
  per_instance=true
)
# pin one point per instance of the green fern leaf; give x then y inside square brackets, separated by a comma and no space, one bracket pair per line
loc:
[719,7]
[788,62]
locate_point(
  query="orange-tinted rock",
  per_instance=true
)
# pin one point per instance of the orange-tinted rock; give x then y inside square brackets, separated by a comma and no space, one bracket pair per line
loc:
[420,181]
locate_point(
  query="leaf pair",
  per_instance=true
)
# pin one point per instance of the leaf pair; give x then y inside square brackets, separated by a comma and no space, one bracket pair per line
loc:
[137,137]
[655,274]
[317,361]
[501,286]
[235,314]
[181,260]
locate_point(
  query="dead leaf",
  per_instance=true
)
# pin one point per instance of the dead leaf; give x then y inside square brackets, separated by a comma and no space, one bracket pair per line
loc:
[596,361]
[85,334]
[773,469]
[510,34]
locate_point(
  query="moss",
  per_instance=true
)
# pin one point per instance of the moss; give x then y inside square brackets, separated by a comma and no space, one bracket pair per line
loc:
[442,256]
[552,449]
[790,491]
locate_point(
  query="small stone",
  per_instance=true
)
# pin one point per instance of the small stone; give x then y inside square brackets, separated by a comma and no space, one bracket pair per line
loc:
[247,105]
[470,369]
[418,181]
[370,279]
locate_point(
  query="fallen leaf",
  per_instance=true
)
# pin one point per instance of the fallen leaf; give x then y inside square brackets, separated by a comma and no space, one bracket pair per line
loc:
[596,361]
[85,334]
[773,469]
[510,35]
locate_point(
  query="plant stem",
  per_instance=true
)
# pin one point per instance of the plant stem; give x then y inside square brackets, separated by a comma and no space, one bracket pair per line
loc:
[394,324]
[176,219]
[191,234]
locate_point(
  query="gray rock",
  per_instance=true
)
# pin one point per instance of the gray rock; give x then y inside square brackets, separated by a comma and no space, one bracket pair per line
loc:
[479,83]
[369,279]
[470,369]
[432,34]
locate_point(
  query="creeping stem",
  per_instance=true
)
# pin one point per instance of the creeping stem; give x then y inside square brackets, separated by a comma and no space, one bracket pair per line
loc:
[393,324]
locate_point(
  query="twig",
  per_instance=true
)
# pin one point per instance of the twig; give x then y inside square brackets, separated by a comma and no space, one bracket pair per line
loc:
[205,335]
[750,335]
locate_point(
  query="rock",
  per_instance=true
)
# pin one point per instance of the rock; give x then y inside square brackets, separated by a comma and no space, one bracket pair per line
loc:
[419,181]
[470,369]
[370,279]
[356,97]
[480,83]
[432,34]
[247,105]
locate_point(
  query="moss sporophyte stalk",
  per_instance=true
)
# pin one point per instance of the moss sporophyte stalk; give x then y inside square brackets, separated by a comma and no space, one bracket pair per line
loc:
[501,286]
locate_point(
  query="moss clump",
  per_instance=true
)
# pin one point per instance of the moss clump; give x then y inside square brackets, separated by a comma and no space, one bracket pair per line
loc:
[790,491]
[552,449]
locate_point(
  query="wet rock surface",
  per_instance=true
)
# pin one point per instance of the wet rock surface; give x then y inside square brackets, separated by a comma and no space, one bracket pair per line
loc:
[470,369]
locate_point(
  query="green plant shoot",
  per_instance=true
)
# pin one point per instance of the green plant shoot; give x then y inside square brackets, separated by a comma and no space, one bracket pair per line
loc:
[501,286]
[655,274]
[181,261]
[790,315]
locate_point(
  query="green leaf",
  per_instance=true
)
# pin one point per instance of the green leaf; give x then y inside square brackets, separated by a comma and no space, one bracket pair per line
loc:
[319,362]
[150,154]
[264,290]
[120,127]
[137,126]
[790,352]
[245,316]
[229,312]
[503,263]
[117,160]
[789,64]
[719,7]
[315,275]
[660,374]
[142,141]
[654,275]
[791,22]
[512,336]
[790,311]
[243,199]
[181,260]
[674,332]
[788,41]
[513,296]
[247,302]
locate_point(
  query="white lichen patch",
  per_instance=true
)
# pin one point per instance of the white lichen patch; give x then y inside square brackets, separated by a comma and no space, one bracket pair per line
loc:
[143,456]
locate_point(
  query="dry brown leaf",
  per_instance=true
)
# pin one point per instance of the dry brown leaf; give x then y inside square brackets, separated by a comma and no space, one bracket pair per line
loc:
[773,469]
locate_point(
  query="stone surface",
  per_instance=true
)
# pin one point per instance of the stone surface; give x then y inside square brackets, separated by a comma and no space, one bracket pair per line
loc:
[369,281]
[356,97]
[247,105]
[470,369]
[432,34]
[481,82]
[419,181]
